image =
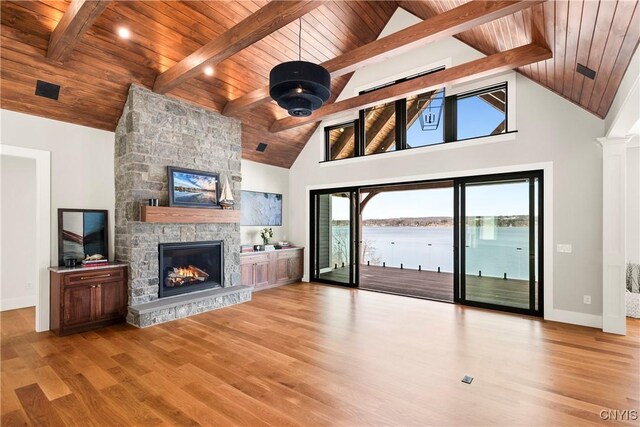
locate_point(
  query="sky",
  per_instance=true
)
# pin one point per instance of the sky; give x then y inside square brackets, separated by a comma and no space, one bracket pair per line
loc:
[475,118]
[482,200]
[191,180]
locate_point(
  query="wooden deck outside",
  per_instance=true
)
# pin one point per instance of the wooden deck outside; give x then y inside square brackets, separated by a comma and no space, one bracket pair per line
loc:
[434,285]
[424,284]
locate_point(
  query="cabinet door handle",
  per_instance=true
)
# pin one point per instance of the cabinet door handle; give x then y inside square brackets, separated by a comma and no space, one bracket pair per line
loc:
[95,277]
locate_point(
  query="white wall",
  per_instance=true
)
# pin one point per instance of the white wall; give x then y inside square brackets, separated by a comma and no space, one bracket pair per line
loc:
[551,131]
[633,200]
[268,179]
[18,233]
[624,113]
[81,164]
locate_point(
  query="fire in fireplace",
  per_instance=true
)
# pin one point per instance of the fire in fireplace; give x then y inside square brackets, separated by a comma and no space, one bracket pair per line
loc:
[188,267]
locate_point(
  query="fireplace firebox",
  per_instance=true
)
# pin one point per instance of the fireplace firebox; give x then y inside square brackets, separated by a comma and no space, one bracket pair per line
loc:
[189,267]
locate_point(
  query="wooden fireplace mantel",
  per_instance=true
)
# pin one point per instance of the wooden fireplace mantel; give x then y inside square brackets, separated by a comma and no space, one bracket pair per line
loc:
[179,215]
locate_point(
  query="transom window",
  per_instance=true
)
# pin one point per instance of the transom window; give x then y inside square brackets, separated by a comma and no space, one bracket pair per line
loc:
[481,113]
[421,120]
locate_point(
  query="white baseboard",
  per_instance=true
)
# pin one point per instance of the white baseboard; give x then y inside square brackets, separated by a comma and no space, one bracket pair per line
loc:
[14,303]
[575,318]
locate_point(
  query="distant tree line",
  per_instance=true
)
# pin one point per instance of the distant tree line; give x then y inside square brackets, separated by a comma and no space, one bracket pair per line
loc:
[440,221]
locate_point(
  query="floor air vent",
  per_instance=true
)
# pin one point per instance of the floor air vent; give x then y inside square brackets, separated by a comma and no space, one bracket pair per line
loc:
[261,147]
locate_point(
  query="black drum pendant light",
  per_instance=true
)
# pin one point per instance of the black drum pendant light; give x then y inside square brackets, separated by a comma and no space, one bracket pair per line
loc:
[299,86]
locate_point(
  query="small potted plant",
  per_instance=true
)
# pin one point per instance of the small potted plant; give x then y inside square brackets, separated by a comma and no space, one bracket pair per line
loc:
[632,295]
[266,234]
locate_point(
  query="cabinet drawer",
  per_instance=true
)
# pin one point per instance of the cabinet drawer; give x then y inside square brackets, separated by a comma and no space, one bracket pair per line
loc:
[289,254]
[252,259]
[97,276]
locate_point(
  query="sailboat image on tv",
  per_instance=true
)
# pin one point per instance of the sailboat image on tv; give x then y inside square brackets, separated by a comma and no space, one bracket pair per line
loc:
[226,196]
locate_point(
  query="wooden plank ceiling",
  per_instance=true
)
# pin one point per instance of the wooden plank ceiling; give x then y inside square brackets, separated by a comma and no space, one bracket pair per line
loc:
[96,75]
[602,35]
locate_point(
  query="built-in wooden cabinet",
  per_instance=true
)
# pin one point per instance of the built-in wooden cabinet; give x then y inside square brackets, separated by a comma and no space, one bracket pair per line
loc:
[264,270]
[288,266]
[255,269]
[87,298]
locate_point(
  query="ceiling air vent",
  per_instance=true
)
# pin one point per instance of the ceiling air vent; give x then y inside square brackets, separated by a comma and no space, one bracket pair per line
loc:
[261,147]
[585,71]
[47,90]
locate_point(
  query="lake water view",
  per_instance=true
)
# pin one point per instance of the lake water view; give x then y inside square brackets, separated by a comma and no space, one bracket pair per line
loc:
[495,252]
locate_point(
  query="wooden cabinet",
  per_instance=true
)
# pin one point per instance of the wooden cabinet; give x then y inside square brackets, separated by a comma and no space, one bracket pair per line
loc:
[87,298]
[264,270]
[112,300]
[262,274]
[255,270]
[288,266]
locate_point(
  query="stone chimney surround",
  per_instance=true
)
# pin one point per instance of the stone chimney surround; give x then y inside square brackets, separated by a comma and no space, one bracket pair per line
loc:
[156,131]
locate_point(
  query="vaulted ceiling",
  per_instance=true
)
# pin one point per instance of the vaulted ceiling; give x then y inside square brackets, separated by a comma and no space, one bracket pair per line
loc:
[96,74]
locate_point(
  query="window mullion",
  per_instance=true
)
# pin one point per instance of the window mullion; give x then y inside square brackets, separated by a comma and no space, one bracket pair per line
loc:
[450,118]
[401,124]
[360,134]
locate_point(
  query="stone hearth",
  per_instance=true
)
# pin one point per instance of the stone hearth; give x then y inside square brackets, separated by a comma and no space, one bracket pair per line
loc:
[154,132]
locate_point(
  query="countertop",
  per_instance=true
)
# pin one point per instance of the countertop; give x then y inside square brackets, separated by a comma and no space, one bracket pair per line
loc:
[293,248]
[98,267]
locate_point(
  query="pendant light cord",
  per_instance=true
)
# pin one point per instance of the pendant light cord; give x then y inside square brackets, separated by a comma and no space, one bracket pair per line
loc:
[299,39]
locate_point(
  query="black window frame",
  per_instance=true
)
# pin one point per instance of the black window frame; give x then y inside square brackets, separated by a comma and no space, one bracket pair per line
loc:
[450,118]
[451,111]
[327,139]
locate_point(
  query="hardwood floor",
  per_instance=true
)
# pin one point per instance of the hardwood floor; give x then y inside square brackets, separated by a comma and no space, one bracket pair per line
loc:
[310,354]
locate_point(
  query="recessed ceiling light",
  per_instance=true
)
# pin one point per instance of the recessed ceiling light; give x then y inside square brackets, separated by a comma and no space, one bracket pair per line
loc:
[208,71]
[124,33]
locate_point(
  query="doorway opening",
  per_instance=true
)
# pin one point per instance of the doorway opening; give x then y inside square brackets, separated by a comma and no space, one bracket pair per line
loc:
[41,250]
[406,244]
[473,240]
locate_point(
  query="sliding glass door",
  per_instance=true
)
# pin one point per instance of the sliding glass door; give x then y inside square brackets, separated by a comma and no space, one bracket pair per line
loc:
[499,237]
[401,238]
[333,249]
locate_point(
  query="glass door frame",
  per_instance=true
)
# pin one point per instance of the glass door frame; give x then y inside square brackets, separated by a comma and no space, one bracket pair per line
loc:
[460,237]
[354,237]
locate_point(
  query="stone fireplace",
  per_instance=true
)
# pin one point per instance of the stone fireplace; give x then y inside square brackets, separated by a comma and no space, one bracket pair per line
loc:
[155,132]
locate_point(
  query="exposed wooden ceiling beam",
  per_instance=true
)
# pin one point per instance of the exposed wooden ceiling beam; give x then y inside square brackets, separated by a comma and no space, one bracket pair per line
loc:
[496,103]
[378,128]
[347,138]
[452,22]
[275,15]
[479,68]
[77,19]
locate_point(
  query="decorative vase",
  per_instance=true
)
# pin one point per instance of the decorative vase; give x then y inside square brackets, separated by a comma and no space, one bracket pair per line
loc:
[632,300]
[265,241]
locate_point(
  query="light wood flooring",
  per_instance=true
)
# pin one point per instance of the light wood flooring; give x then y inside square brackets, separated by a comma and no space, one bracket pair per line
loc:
[313,355]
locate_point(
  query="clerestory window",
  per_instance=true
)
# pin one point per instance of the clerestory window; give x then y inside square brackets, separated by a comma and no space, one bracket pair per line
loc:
[421,120]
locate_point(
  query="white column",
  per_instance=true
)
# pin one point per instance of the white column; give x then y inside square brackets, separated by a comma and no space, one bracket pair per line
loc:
[614,165]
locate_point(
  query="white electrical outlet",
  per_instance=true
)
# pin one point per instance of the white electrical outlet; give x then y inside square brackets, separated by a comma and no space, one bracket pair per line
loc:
[29,286]
[586,299]
[564,248]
